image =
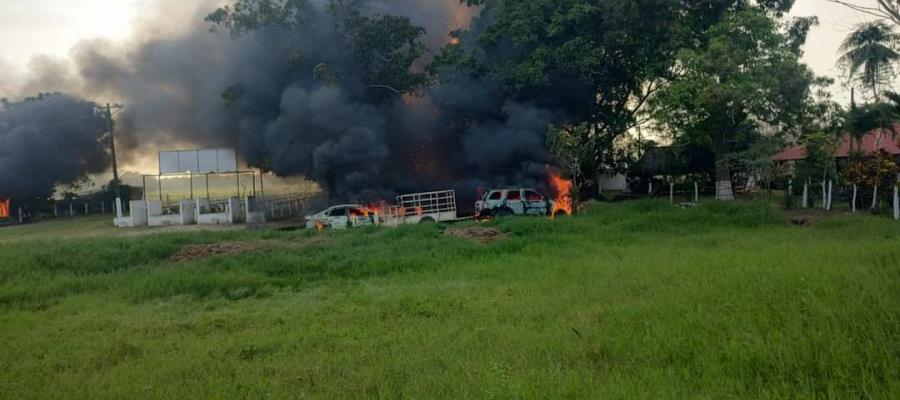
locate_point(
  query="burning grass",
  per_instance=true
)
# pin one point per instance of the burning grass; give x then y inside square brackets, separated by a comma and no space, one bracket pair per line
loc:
[635,300]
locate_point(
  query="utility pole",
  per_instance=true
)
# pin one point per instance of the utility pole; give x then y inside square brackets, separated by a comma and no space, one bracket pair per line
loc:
[112,144]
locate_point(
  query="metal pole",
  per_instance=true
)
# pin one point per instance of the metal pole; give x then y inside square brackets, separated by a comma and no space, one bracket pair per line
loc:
[262,189]
[207,185]
[237,175]
[159,183]
[191,178]
[253,174]
[112,146]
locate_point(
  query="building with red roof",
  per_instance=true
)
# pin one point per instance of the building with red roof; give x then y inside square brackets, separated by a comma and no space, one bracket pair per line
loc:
[879,139]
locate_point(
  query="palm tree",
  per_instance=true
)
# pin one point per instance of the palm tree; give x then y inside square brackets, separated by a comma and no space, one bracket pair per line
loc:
[869,55]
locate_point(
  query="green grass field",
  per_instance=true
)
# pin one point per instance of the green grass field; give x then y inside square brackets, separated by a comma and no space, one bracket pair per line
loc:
[636,300]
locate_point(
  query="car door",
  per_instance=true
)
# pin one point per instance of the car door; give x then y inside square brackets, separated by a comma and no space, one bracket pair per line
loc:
[515,201]
[360,217]
[535,203]
[339,218]
[494,200]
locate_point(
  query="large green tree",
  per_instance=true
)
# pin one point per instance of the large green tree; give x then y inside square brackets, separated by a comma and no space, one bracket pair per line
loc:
[745,79]
[600,61]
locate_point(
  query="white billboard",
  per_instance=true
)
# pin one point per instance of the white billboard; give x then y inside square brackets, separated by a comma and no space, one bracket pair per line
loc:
[197,161]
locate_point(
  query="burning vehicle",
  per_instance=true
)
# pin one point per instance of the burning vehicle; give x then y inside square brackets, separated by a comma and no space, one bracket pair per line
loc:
[506,202]
[342,217]
[526,201]
[417,208]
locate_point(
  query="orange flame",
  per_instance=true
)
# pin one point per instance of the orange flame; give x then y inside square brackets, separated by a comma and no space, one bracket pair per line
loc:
[563,201]
[4,208]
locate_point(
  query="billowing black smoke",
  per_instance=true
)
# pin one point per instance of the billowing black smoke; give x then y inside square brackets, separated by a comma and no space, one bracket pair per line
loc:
[271,95]
[47,141]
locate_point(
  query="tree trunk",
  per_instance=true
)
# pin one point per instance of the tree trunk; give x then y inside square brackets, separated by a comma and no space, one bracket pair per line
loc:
[724,186]
[805,203]
[874,198]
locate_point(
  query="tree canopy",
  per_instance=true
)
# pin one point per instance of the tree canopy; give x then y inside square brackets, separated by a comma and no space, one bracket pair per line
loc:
[747,78]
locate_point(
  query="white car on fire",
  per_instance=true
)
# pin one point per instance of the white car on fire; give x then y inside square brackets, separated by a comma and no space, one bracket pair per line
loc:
[342,217]
[506,202]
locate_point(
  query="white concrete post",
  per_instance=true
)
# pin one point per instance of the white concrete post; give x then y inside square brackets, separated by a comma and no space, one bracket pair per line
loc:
[118,207]
[102,207]
[830,194]
[55,209]
[853,204]
[875,197]
[896,203]
[85,208]
[805,203]
[671,193]
[21,218]
[650,191]
[71,210]
[696,192]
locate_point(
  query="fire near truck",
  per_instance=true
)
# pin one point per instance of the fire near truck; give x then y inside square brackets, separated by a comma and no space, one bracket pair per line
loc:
[416,208]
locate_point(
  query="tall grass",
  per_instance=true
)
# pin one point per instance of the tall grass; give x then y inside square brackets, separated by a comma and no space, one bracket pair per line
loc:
[634,300]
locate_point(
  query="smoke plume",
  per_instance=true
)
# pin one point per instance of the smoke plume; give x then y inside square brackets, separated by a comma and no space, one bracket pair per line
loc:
[49,140]
[187,87]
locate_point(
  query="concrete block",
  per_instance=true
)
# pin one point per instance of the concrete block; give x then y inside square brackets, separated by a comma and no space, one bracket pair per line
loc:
[138,216]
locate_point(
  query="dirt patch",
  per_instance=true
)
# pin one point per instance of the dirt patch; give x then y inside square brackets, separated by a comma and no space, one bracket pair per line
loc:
[806,217]
[201,251]
[480,235]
